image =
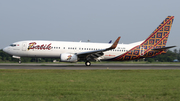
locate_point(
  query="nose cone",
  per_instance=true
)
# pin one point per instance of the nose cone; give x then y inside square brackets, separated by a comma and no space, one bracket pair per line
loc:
[6,49]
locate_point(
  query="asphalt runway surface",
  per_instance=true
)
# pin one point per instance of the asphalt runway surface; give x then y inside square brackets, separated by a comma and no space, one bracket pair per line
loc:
[92,67]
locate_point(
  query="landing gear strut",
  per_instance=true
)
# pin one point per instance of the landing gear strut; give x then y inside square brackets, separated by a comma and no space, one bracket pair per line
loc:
[20,61]
[88,63]
[17,57]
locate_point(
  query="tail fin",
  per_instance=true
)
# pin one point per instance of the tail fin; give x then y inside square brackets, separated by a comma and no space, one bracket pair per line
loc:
[160,35]
[156,41]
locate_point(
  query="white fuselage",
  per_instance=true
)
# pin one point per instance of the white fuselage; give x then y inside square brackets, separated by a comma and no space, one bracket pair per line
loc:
[38,48]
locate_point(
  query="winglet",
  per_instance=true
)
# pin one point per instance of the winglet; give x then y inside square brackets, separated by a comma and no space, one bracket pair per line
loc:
[114,44]
[110,41]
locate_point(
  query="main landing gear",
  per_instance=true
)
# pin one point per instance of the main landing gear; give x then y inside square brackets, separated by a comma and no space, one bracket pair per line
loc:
[88,63]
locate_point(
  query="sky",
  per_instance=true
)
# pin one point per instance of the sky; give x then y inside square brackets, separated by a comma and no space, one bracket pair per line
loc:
[94,20]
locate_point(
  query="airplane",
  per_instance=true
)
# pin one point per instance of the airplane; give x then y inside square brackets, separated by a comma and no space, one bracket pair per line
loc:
[67,51]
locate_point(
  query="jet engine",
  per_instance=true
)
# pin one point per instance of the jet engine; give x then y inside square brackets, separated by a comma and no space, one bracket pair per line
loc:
[68,57]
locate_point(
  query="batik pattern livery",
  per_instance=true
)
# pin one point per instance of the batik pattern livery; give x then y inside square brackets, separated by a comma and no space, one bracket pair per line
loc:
[157,39]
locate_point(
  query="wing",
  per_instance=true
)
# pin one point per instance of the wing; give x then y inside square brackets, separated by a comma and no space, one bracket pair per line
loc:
[96,53]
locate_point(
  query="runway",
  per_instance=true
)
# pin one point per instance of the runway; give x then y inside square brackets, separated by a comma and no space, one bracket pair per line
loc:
[92,67]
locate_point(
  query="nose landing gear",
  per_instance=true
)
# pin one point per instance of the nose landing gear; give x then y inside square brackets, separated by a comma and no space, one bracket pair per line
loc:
[17,57]
[20,61]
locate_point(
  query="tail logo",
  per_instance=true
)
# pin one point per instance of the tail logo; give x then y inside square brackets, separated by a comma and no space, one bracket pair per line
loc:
[159,35]
[158,38]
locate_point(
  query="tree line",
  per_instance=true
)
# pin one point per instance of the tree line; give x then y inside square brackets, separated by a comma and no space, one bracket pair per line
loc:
[167,57]
[4,57]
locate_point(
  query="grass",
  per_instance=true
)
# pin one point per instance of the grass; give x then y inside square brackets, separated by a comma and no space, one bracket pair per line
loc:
[89,85]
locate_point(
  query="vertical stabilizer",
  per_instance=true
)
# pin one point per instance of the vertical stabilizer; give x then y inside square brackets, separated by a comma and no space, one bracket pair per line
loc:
[157,40]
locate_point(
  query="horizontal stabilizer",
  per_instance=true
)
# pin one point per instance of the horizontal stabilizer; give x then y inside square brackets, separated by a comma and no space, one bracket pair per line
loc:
[164,48]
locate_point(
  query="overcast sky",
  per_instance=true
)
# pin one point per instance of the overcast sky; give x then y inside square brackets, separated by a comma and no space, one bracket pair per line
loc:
[94,20]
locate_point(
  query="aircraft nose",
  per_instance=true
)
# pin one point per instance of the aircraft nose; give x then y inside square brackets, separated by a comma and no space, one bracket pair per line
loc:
[6,49]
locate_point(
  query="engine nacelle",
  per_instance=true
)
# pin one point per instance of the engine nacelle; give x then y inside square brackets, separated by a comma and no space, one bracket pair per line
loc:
[67,57]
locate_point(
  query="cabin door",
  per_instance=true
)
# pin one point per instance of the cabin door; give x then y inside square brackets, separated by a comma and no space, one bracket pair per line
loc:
[24,46]
[141,51]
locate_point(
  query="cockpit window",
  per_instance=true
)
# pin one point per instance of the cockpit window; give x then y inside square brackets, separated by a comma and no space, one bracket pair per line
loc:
[13,45]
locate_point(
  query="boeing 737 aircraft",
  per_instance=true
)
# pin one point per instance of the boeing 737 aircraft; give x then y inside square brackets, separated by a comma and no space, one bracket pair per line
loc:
[85,51]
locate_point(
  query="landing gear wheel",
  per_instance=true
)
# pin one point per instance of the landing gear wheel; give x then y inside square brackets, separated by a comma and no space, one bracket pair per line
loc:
[88,63]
